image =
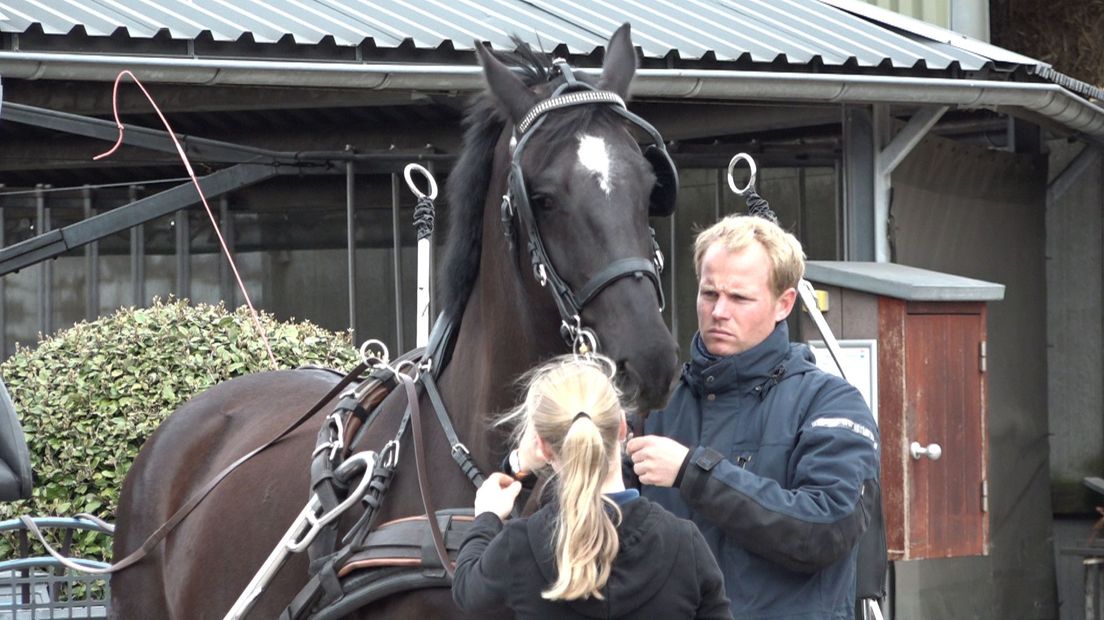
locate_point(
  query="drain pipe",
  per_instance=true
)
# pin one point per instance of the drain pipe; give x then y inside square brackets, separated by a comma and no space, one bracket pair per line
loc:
[1049,100]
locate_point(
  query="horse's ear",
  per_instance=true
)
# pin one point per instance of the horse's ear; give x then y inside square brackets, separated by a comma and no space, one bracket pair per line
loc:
[504,85]
[620,63]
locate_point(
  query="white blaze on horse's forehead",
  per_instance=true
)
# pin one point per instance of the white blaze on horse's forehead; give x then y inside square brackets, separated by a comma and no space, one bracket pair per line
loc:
[594,157]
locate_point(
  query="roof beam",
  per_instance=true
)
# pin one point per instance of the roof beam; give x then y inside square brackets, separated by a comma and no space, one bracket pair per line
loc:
[1087,159]
[202,149]
[909,136]
[61,240]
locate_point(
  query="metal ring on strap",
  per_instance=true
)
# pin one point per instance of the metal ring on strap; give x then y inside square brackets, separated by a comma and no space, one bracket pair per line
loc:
[374,359]
[738,157]
[425,173]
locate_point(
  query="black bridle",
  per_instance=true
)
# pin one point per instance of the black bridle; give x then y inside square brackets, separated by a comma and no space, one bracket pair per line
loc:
[569,302]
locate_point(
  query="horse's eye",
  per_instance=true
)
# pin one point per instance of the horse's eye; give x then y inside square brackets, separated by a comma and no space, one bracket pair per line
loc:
[541,202]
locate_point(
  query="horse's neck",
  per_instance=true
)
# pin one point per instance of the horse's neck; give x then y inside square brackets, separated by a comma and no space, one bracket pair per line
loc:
[493,346]
[508,326]
[498,340]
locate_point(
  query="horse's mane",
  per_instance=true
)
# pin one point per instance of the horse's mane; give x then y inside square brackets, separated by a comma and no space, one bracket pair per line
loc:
[469,180]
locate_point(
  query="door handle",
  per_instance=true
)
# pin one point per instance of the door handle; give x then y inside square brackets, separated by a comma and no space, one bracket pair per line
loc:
[933,451]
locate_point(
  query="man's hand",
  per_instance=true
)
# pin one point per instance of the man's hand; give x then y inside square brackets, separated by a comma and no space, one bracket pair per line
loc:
[656,460]
[497,495]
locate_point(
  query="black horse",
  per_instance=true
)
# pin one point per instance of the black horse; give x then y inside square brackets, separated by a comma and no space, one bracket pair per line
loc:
[589,187]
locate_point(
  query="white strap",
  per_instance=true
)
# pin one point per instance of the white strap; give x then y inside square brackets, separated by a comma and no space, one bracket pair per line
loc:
[808,297]
[66,562]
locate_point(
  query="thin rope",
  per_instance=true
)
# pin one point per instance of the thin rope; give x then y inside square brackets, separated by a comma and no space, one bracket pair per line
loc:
[199,190]
[758,206]
[78,188]
[424,214]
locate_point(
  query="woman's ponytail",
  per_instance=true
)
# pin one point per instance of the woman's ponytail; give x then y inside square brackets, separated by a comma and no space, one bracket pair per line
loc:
[586,538]
[575,409]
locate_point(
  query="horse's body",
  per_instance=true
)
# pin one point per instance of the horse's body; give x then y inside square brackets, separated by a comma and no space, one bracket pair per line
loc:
[509,324]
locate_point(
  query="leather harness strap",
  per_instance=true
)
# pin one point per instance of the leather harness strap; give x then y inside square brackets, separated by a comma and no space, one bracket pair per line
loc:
[458,450]
[423,478]
[163,531]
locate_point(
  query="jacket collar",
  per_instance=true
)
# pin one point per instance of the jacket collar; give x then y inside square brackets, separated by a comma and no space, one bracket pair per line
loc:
[764,363]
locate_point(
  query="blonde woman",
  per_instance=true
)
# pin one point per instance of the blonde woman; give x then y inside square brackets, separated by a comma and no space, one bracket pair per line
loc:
[596,550]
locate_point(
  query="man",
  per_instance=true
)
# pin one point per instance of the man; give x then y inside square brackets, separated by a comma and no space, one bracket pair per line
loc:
[775,460]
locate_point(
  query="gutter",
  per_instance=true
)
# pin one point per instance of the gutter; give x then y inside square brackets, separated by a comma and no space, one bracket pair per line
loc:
[1049,100]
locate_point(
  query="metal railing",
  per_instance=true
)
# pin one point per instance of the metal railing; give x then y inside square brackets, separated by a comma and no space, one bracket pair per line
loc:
[38,587]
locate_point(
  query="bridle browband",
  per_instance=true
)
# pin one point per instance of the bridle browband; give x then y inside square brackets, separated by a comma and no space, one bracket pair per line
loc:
[570,303]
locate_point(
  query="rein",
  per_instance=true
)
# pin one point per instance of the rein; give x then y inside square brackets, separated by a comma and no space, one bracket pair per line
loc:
[158,535]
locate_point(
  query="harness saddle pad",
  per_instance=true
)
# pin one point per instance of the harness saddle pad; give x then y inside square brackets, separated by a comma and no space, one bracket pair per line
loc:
[407,542]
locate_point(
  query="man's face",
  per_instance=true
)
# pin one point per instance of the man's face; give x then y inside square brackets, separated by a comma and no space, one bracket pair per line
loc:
[736,307]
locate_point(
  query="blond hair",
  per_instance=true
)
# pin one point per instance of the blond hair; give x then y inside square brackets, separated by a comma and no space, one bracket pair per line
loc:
[575,408]
[737,232]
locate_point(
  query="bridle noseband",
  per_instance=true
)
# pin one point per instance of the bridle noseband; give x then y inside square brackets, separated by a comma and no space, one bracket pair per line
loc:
[570,303]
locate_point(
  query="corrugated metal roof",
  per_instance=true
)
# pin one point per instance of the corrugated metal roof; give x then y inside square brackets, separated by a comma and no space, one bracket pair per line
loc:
[797,32]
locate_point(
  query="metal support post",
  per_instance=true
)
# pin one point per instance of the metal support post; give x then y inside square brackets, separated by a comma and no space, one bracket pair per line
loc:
[350,228]
[397,271]
[888,158]
[227,290]
[137,257]
[183,224]
[857,214]
[91,263]
[3,294]
[46,269]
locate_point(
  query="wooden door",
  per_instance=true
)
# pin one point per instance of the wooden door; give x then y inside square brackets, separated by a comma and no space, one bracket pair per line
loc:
[943,405]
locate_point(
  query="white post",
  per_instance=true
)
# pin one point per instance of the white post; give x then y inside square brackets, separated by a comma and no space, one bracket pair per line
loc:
[425,255]
[425,259]
[887,159]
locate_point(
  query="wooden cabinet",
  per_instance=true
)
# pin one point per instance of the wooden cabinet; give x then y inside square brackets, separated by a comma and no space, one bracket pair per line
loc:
[931,397]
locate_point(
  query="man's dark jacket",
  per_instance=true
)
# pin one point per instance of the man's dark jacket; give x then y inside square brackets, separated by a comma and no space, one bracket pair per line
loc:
[663,569]
[781,477]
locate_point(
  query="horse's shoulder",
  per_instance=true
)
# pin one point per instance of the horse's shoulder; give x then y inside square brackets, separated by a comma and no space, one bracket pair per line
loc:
[269,379]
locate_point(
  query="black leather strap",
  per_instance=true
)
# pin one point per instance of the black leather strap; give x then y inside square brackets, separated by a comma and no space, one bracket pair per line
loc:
[636,267]
[423,474]
[459,452]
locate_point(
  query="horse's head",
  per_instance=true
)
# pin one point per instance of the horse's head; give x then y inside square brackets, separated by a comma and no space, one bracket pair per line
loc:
[580,191]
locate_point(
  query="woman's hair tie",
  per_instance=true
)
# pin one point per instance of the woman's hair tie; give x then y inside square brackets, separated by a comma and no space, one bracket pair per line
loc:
[581,414]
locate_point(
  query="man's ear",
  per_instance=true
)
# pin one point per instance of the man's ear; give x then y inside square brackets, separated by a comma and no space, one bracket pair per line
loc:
[784,304]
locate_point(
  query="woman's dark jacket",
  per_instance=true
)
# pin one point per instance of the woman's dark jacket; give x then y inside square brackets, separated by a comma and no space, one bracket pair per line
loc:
[663,569]
[781,477]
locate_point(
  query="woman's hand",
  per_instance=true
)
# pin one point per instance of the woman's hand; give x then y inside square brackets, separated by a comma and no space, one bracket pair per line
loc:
[497,495]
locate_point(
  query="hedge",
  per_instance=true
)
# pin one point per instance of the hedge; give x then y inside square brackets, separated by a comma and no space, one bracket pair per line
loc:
[89,396]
